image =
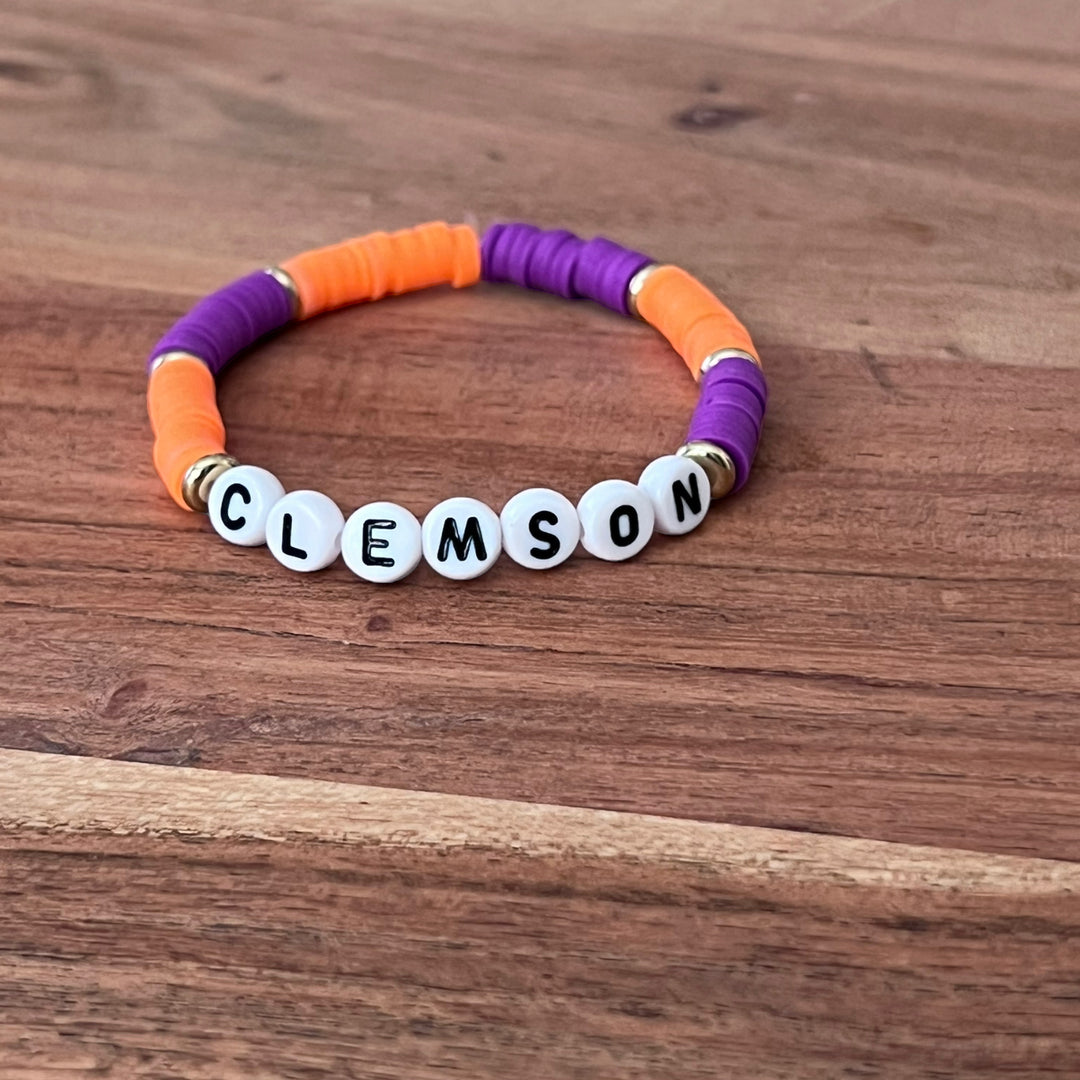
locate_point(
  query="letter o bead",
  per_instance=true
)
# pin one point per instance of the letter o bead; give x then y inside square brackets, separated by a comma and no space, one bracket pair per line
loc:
[303,531]
[616,519]
[240,502]
[381,542]
[461,538]
[540,528]
[679,490]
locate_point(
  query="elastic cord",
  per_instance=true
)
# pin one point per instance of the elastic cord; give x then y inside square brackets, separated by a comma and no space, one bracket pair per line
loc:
[181,393]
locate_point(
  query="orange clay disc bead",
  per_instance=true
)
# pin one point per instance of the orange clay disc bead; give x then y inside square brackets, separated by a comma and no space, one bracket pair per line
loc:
[690,316]
[187,426]
[373,266]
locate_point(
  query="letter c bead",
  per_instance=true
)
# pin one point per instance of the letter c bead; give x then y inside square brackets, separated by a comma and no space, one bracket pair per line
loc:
[540,528]
[616,519]
[462,538]
[381,542]
[240,502]
[303,531]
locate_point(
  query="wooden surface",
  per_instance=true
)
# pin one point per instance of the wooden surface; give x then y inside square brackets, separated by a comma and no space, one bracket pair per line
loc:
[851,696]
[249,926]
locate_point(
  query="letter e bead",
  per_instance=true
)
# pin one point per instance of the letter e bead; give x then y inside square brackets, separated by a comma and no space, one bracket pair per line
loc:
[381,542]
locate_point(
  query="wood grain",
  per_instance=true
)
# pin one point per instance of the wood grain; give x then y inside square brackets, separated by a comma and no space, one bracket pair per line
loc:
[879,640]
[204,924]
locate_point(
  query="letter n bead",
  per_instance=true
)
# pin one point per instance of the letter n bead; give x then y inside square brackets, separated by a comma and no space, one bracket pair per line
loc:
[679,490]
[540,528]
[240,502]
[462,538]
[381,542]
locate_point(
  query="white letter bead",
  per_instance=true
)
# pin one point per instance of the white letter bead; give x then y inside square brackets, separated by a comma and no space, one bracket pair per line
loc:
[303,531]
[381,542]
[240,502]
[616,519]
[461,538]
[679,490]
[540,528]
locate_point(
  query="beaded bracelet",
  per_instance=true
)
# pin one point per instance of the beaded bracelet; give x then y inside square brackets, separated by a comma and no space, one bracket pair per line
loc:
[461,538]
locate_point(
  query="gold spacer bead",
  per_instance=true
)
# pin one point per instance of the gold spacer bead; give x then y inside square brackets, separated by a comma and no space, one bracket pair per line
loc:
[176,354]
[716,462]
[637,283]
[284,278]
[200,477]
[714,358]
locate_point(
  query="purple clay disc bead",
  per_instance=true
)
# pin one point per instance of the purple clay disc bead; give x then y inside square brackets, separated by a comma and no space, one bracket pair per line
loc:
[505,251]
[229,320]
[530,257]
[558,262]
[604,271]
[730,412]
[552,262]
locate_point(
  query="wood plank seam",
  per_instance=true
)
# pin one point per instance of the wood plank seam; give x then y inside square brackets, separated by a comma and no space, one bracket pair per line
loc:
[76,795]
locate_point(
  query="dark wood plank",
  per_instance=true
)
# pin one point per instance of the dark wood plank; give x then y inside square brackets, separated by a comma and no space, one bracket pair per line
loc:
[877,638]
[224,926]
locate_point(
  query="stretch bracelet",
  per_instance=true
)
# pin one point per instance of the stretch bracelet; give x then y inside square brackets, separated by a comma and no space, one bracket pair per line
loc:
[461,537]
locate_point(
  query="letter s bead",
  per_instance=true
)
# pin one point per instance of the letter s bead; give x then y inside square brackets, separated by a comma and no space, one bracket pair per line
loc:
[540,528]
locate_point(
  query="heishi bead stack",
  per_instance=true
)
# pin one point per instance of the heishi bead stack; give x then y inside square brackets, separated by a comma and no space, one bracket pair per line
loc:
[460,538]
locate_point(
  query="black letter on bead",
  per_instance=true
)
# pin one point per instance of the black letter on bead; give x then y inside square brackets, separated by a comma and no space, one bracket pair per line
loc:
[245,497]
[551,541]
[692,498]
[372,543]
[286,539]
[461,544]
[618,537]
